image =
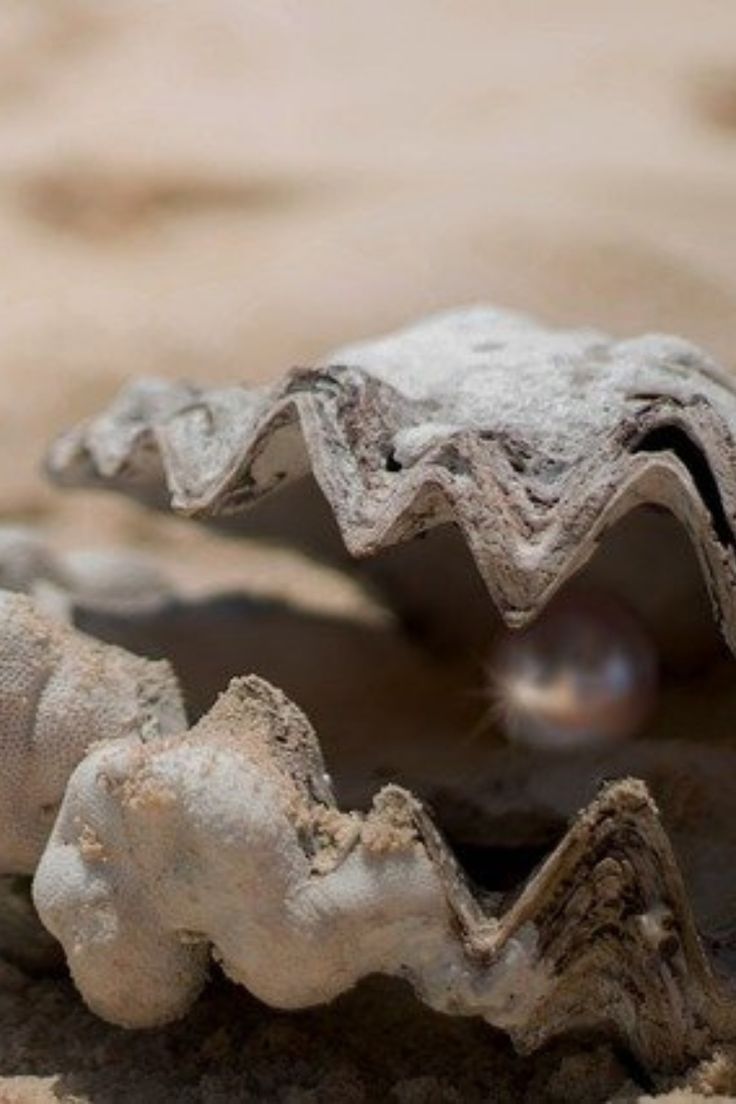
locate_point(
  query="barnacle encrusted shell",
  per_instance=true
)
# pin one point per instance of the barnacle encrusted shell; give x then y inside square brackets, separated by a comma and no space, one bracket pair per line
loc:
[532,440]
[229,836]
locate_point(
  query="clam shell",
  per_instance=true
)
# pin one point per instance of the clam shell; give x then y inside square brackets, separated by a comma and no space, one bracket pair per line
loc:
[532,441]
[229,837]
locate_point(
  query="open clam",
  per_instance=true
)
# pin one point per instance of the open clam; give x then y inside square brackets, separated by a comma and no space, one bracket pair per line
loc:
[544,470]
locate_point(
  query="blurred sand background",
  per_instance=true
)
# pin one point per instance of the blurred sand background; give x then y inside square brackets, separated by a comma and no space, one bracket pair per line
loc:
[220,189]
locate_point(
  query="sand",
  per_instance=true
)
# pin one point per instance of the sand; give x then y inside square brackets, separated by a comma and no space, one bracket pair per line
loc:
[221,189]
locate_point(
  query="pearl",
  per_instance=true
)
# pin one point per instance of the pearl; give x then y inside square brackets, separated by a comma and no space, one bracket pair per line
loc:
[583,674]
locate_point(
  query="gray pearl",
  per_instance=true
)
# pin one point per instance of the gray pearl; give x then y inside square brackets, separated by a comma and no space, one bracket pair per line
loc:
[585,673]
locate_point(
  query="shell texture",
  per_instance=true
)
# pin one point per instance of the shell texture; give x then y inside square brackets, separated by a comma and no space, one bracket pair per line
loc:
[60,692]
[533,441]
[227,840]
[230,837]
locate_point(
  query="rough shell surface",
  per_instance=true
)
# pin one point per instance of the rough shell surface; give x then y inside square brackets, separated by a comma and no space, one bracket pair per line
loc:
[229,837]
[532,440]
[60,692]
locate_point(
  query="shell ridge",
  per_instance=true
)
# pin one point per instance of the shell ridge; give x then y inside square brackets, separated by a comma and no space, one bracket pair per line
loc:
[526,505]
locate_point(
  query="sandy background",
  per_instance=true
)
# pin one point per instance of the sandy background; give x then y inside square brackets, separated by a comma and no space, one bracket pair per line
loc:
[221,189]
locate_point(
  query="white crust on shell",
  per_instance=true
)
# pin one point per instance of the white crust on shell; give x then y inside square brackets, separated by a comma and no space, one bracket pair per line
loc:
[228,838]
[529,438]
[60,692]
